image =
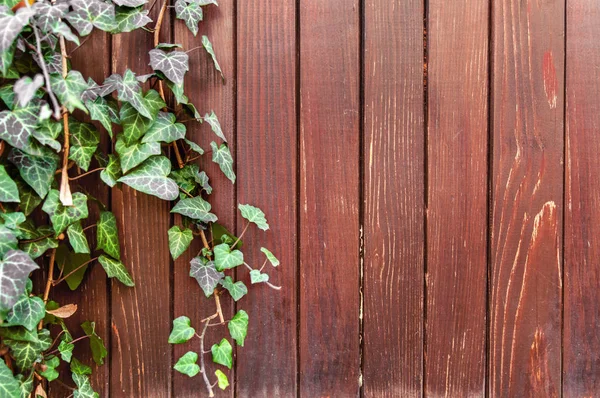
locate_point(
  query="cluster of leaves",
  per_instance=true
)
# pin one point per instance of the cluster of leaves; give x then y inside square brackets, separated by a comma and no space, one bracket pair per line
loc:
[46,147]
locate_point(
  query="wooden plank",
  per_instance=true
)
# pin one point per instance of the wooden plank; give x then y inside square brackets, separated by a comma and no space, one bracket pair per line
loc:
[205,88]
[92,59]
[394,198]
[581,341]
[141,316]
[329,198]
[267,171]
[457,200]
[526,235]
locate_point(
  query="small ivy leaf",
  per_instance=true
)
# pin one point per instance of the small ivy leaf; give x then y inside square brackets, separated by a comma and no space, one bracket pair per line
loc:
[101,111]
[222,353]
[203,181]
[195,208]
[237,289]
[108,235]
[238,327]
[51,373]
[17,126]
[112,172]
[222,157]
[49,20]
[25,88]
[225,258]
[47,132]
[14,270]
[179,241]
[213,121]
[134,123]
[187,364]
[257,277]
[27,312]
[29,199]
[41,241]
[206,274]
[272,259]
[206,2]
[99,351]
[77,238]
[194,147]
[173,64]
[209,49]
[79,368]
[26,387]
[254,215]
[182,330]
[116,269]
[164,129]
[151,178]
[9,386]
[36,171]
[66,350]
[154,102]
[85,139]
[63,216]
[8,188]
[128,90]
[129,19]
[26,353]
[69,90]
[87,14]
[190,12]
[221,234]
[84,387]
[130,3]
[12,24]
[13,220]
[135,154]
[222,381]
[185,178]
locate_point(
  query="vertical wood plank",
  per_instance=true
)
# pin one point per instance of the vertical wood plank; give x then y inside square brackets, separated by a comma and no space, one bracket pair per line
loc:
[329,198]
[526,235]
[582,247]
[394,198]
[140,352]
[205,89]
[457,200]
[267,171]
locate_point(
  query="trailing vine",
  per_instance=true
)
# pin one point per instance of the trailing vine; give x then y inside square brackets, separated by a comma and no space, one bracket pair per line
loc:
[47,150]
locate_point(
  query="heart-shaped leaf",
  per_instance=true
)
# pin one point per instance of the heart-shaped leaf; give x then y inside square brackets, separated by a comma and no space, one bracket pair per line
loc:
[206,274]
[196,208]
[165,129]
[151,178]
[225,258]
[187,364]
[237,289]
[179,240]
[108,235]
[238,327]
[173,64]
[182,330]
[190,12]
[257,277]
[222,353]
[254,215]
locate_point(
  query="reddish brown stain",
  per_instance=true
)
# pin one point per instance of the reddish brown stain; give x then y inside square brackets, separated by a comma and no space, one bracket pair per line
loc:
[549,74]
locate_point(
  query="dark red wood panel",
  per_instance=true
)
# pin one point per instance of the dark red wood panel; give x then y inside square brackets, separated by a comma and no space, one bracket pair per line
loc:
[206,90]
[141,316]
[581,362]
[527,183]
[457,200]
[394,198]
[267,172]
[329,198]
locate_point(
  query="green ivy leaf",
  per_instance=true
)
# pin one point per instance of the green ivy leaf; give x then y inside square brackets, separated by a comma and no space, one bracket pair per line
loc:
[72,264]
[206,274]
[129,19]
[116,269]
[26,353]
[225,258]
[164,129]
[88,14]
[187,364]
[222,157]
[46,134]
[257,277]
[203,181]
[221,234]
[215,125]
[130,3]
[51,373]
[36,171]
[84,142]
[66,350]
[8,240]
[79,368]
[25,386]
[40,241]
[29,199]
[272,259]
[182,330]
[128,90]
[222,381]
[96,344]
[9,386]
[172,64]
[17,126]
[134,123]
[12,24]
[135,154]
[222,353]
[69,90]
[27,312]
[254,215]
[14,270]
[8,188]
[238,327]
[209,49]
[194,147]
[151,178]
[237,289]
[179,240]
[111,174]
[190,12]
[18,333]
[103,112]
[63,216]
[77,238]
[49,20]
[195,208]
[84,387]
[108,235]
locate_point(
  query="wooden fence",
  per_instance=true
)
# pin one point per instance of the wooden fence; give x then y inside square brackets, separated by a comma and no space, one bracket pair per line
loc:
[430,171]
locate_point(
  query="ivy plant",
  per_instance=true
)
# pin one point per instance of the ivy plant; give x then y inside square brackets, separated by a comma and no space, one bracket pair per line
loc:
[48,147]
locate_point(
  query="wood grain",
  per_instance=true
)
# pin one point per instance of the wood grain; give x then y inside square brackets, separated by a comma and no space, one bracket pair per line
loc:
[394,233]
[329,198]
[581,362]
[141,316]
[206,90]
[267,172]
[457,200]
[526,235]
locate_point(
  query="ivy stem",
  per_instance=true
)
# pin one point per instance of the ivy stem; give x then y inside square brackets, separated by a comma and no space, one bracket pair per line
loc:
[240,237]
[202,363]
[65,190]
[49,282]
[272,286]
[88,227]
[193,49]
[70,342]
[37,239]
[72,272]
[218,303]
[263,266]
[86,173]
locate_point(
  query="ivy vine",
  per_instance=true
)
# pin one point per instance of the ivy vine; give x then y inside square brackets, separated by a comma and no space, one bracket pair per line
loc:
[47,150]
